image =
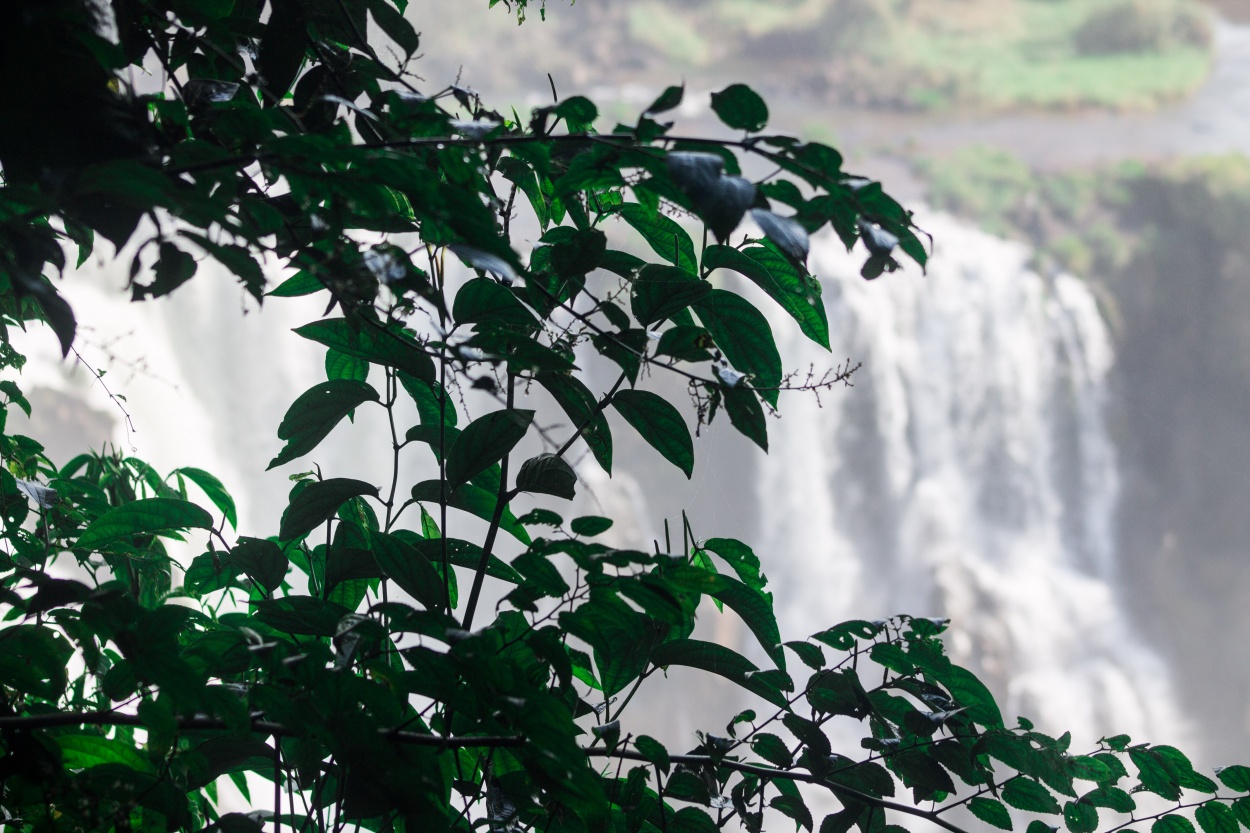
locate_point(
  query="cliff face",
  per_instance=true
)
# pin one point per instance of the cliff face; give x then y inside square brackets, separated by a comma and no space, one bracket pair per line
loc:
[1183,429]
[1168,251]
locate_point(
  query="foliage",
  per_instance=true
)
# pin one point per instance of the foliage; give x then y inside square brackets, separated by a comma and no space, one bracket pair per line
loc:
[336,655]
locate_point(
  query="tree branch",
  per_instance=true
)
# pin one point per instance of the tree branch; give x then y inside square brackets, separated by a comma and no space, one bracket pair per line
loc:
[198,722]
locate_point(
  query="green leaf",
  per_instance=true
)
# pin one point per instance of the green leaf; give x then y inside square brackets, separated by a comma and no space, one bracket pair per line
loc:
[33,659]
[739,556]
[770,270]
[1241,808]
[1171,824]
[991,812]
[740,107]
[972,694]
[463,554]
[1235,777]
[692,820]
[670,98]
[153,516]
[1113,798]
[1155,775]
[426,397]
[1024,794]
[486,301]
[369,340]
[213,488]
[1080,817]
[660,424]
[411,570]
[660,292]
[83,751]
[475,501]
[668,239]
[1214,817]
[1087,768]
[263,561]
[654,751]
[393,23]
[342,366]
[772,749]
[547,474]
[318,502]
[793,806]
[744,336]
[590,525]
[810,655]
[579,111]
[755,608]
[688,343]
[235,258]
[583,410]
[717,659]
[484,442]
[301,283]
[314,414]
[746,414]
[304,615]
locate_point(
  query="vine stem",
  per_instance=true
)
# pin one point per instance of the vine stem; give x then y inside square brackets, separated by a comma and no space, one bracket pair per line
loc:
[581,429]
[501,503]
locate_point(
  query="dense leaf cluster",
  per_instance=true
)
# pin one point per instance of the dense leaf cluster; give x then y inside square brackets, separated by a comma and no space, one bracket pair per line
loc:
[336,657]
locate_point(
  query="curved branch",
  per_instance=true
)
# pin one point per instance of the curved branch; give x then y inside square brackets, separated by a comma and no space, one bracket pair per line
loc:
[201,722]
[789,775]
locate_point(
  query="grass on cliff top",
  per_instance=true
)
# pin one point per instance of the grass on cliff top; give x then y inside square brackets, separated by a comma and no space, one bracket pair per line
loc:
[1094,222]
[993,54]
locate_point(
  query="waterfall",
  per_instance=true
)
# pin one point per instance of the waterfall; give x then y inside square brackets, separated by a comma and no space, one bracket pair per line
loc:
[968,475]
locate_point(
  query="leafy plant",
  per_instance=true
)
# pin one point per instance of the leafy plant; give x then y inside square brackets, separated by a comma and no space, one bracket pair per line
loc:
[336,655]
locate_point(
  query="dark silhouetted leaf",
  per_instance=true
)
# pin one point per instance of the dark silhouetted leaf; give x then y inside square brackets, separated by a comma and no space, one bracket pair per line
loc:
[590,525]
[584,413]
[660,292]
[549,475]
[301,615]
[744,336]
[660,424]
[484,442]
[746,414]
[411,570]
[789,237]
[475,501]
[741,108]
[670,98]
[388,346]
[717,659]
[314,414]
[318,502]
[263,561]
[484,301]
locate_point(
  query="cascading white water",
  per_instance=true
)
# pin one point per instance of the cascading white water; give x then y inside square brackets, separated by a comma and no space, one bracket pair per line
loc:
[969,474]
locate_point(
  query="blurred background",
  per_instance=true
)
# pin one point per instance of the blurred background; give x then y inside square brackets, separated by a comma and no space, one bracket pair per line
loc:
[1047,439]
